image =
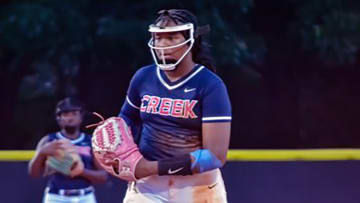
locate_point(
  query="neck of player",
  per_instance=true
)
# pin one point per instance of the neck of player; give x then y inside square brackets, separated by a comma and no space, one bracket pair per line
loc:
[183,68]
[72,134]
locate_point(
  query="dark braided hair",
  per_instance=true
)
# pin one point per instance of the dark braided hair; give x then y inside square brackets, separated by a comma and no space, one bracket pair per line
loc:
[201,50]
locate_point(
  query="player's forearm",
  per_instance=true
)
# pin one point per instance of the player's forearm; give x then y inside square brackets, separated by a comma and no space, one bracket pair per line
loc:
[180,165]
[146,168]
[198,161]
[37,165]
[95,176]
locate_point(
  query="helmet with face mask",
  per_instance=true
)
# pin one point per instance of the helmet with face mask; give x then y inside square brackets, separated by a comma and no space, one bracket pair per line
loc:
[186,24]
[160,59]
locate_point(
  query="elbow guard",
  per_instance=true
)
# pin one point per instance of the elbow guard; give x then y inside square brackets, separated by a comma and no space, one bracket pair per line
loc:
[204,160]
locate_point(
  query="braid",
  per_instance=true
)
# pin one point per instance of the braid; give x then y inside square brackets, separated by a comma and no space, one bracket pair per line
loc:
[201,54]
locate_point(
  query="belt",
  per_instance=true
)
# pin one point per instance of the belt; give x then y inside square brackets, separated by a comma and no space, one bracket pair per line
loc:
[71,192]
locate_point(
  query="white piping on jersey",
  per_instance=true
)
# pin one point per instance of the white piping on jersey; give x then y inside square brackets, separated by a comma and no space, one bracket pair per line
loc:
[77,140]
[179,84]
[131,104]
[216,118]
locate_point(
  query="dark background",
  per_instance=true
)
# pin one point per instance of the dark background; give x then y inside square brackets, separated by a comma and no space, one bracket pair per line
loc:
[291,66]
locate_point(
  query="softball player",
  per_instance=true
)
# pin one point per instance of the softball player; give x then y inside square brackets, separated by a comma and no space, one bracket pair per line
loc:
[184,110]
[62,188]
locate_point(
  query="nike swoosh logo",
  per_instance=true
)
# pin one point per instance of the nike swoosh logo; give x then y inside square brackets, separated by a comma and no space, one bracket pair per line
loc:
[189,90]
[174,171]
[212,186]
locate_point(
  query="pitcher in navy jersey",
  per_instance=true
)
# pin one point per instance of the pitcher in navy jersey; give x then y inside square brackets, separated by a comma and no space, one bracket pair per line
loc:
[184,112]
[62,188]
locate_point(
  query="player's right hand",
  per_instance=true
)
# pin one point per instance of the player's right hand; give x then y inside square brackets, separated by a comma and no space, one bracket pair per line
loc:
[53,148]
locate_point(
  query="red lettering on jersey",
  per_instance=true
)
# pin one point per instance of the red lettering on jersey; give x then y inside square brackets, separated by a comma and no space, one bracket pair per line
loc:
[188,109]
[165,106]
[143,106]
[177,108]
[168,107]
[153,104]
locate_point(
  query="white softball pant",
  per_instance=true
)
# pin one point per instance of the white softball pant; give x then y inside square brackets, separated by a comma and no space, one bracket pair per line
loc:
[205,187]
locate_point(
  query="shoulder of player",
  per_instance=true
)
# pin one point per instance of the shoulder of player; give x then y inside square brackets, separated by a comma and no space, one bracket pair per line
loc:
[48,138]
[45,139]
[52,136]
[87,139]
[87,136]
[209,78]
[145,70]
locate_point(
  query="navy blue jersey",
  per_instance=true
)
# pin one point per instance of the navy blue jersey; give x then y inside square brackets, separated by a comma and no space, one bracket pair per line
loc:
[172,113]
[83,144]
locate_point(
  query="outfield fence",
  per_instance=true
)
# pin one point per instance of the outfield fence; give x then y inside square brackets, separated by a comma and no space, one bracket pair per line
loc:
[241,155]
[250,176]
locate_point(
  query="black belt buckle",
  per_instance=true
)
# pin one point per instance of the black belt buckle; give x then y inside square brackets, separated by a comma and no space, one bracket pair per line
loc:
[73,192]
[78,192]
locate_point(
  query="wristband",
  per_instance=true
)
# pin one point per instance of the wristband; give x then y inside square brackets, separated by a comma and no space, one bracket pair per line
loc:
[179,165]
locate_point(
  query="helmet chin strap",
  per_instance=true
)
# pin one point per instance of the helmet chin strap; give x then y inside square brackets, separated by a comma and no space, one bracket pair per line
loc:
[167,62]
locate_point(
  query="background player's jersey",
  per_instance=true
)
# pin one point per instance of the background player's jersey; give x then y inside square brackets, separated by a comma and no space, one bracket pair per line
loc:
[60,181]
[172,113]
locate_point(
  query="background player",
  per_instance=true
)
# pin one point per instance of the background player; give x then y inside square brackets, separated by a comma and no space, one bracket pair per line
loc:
[62,188]
[185,113]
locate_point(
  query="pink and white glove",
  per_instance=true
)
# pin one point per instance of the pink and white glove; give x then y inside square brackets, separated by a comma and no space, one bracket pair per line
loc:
[115,150]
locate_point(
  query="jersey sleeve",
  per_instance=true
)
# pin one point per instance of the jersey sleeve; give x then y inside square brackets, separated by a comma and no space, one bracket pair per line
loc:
[132,95]
[216,106]
[130,108]
[132,100]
